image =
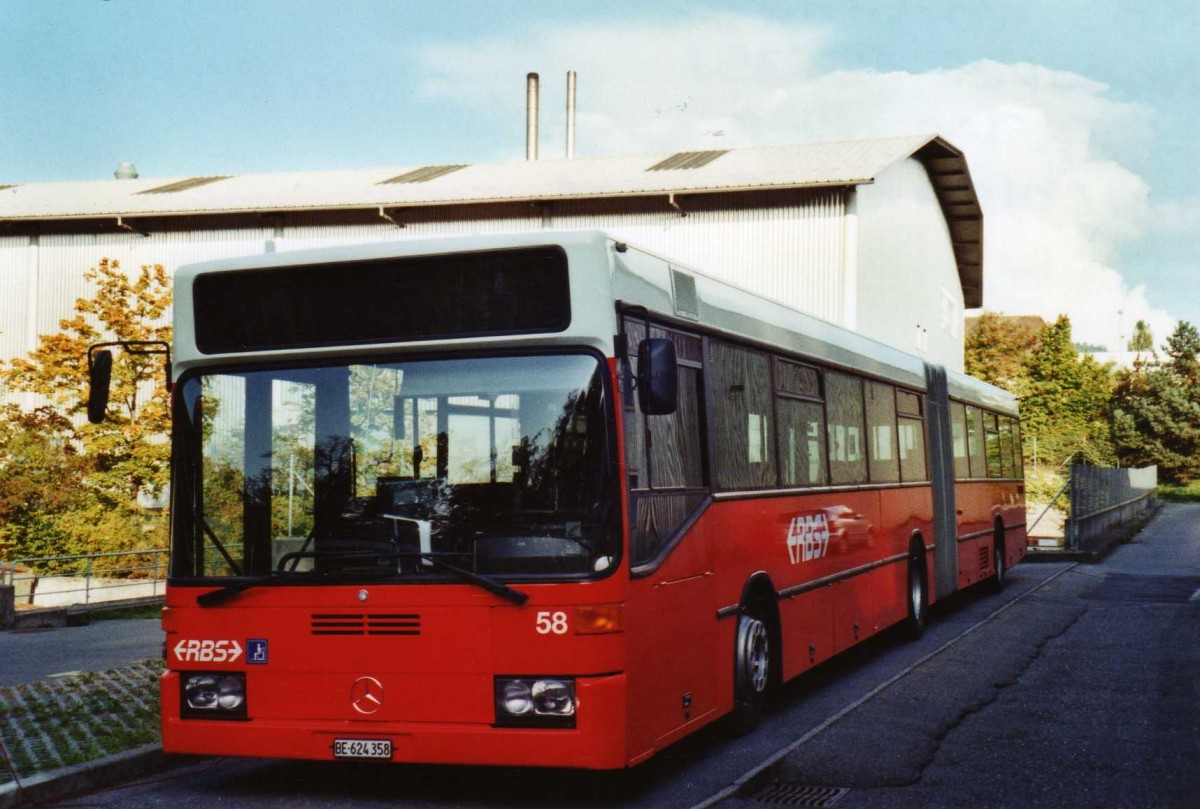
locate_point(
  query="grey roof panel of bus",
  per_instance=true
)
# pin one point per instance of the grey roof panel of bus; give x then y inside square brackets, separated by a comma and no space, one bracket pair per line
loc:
[803,165]
[970,389]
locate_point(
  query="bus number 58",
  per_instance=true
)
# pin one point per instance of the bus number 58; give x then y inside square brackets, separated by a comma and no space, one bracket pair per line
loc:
[548,622]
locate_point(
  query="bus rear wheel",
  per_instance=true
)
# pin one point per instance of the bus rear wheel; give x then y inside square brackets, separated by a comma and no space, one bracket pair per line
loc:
[752,672]
[1001,574]
[918,596]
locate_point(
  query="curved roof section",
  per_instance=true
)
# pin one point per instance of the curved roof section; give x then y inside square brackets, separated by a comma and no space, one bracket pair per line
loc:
[843,163]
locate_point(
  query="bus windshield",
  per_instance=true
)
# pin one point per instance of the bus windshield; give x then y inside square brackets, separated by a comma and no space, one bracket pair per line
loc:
[406,470]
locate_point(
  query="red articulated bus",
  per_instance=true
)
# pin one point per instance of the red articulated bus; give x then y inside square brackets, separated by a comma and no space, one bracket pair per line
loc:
[543,499]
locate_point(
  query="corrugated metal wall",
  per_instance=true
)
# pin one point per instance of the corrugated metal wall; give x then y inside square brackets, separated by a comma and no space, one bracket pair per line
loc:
[788,245]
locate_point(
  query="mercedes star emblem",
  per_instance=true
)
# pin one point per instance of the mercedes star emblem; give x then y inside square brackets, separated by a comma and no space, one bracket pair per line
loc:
[366,695]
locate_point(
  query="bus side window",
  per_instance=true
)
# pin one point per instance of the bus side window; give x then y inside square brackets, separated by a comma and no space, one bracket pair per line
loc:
[742,415]
[844,412]
[958,432]
[1007,462]
[801,433]
[1018,449]
[991,432]
[881,428]
[975,442]
[664,454]
[911,433]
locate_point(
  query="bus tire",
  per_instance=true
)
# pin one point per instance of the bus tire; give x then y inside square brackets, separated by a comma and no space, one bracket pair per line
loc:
[1000,577]
[917,592]
[752,672]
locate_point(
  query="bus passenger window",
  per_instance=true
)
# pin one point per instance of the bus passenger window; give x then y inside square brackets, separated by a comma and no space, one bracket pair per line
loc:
[801,442]
[742,415]
[881,421]
[975,443]
[992,433]
[844,411]
[1007,462]
[958,432]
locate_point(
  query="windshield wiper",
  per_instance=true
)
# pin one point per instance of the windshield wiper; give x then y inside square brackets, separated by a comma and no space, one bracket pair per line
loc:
[228,592]
[491,585]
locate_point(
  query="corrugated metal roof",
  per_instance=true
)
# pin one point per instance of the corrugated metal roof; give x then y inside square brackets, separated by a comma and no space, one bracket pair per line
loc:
[844,163]
[772,167]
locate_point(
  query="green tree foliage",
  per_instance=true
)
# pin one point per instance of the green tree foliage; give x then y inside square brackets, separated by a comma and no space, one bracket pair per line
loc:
[1142,339]
[997,347]
[1064,400]
[1156,410]
[84,495]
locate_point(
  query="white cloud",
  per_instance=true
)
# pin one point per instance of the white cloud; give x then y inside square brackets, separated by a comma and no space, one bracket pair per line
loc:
[1040,142]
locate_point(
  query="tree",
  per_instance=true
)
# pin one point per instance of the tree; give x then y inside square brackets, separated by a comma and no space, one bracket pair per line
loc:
[1142,339]
[101,469]
[1156,410]
[1064,401]
[997,347]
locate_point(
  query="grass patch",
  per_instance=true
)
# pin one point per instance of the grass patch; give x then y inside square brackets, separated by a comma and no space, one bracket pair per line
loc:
[53,724]
[1189,493]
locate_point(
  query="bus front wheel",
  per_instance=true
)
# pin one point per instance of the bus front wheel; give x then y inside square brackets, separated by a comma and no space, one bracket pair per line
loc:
[752,672]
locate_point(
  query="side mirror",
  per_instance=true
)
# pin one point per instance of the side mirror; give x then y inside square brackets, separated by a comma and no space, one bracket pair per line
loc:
[657,377]
[99,379]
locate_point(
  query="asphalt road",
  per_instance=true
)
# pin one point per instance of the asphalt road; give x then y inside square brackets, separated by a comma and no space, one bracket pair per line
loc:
[1076,686]
[27,657]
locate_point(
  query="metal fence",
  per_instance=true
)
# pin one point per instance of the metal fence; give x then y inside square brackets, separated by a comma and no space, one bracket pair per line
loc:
[1104,498]
[60,581]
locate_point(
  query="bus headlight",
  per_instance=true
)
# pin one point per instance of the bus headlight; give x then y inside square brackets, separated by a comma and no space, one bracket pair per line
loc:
[213,695]
[535,701]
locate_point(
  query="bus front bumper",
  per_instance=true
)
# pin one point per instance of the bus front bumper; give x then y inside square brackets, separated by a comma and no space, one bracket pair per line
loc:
[596,742]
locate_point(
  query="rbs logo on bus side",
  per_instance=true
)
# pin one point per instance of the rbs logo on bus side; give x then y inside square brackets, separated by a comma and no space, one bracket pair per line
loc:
[808,537]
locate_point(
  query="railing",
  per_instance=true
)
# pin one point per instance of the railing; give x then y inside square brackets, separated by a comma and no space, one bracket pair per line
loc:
[59,581]
[1104,498]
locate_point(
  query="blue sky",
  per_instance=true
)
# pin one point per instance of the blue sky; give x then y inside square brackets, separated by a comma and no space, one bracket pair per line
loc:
[1079,119]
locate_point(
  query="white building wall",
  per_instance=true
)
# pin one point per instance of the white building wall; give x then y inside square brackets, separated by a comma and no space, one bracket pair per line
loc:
[877,259]
[908,289]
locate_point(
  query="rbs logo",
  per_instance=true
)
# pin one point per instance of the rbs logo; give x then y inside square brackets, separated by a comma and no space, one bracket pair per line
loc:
[808,537]
[208,651]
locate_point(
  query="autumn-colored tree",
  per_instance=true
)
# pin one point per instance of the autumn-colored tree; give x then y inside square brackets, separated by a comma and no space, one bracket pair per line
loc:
[997,347]
[101,468]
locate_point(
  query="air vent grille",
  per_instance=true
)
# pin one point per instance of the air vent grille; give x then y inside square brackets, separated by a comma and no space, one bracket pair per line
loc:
[366,624]
[688,160]
[184,185]
[687,303]
[424,175]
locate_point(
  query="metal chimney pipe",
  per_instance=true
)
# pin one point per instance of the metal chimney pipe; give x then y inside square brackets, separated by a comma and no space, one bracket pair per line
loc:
[570,115]
[531,116]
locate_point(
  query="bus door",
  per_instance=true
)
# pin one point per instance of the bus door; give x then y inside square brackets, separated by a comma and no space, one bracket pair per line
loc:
[672,624]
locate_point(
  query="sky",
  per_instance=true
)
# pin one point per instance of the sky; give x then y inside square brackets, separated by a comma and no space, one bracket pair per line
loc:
[1080,119]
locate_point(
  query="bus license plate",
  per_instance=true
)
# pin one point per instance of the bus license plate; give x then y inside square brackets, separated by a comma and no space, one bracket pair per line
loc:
[362,748]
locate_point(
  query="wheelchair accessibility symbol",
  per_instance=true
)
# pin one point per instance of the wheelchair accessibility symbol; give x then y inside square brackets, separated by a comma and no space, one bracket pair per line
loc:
[256,651]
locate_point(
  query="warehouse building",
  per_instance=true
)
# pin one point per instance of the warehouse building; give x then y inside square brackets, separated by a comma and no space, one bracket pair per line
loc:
[881,236]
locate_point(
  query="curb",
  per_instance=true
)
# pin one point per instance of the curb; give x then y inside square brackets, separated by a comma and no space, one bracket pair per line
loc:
[1104,546]
[88,776]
